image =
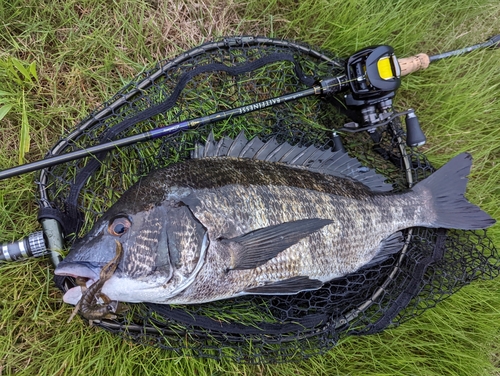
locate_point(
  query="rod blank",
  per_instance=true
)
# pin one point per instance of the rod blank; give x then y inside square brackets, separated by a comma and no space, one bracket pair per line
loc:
[158,132]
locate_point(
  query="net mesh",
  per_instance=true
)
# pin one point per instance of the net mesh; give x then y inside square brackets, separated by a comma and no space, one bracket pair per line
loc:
[254,329]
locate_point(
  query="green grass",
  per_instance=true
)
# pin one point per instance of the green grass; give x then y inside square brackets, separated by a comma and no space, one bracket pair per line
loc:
[85,51]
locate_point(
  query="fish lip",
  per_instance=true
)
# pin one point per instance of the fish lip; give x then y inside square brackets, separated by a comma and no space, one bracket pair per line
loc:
[76,270]
[73,269]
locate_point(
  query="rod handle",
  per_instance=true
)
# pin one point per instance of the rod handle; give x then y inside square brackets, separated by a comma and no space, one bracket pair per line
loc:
[413,63]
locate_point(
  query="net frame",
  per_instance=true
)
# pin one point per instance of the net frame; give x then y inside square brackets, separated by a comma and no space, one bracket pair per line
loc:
[292,327]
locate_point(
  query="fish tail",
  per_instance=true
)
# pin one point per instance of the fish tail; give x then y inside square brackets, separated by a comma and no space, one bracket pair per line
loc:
[447,188]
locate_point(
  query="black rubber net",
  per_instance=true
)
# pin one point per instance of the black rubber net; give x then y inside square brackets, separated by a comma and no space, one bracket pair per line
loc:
[218,76]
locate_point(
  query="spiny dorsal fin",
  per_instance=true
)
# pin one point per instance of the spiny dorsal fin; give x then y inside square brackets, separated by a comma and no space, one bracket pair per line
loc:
[323,161]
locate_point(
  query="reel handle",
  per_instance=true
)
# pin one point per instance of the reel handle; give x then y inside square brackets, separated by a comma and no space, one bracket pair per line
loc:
[414,63]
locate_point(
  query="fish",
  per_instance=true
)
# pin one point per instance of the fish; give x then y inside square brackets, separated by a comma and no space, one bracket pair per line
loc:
[247,217]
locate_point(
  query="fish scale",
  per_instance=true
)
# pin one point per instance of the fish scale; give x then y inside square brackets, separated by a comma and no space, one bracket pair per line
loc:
[319,249]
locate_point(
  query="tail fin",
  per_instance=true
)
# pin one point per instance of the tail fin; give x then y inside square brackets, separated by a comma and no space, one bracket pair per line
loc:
[447,187]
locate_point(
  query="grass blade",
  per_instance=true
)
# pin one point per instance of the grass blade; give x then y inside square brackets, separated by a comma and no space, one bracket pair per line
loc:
[20,67]
[32,70]
[5,93]
[4,110]
[24,137]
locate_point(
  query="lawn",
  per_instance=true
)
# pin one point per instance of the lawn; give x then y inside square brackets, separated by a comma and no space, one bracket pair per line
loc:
[59,60]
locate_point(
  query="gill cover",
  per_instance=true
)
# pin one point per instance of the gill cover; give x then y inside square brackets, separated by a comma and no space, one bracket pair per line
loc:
[188,242]
[163,254]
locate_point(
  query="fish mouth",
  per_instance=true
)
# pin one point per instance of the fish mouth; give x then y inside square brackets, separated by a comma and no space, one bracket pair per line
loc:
[83,275]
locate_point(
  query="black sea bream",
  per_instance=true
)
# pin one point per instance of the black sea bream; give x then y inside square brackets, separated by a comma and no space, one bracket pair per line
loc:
[252,218]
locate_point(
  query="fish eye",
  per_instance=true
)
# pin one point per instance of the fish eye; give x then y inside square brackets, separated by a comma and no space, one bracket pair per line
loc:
[119,226]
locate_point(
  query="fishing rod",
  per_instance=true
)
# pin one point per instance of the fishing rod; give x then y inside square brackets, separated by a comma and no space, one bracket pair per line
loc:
[372,76]
[371,73]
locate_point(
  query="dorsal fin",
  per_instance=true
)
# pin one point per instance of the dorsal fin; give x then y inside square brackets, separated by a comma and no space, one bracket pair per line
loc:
[327,162]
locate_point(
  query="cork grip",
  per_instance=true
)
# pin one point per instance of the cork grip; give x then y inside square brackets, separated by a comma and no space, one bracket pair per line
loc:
[414,63]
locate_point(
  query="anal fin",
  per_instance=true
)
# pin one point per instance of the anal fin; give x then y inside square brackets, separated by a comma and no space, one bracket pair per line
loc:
[389,246]
[288,286]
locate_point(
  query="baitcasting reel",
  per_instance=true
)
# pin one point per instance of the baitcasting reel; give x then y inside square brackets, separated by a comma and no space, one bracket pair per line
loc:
[374,75]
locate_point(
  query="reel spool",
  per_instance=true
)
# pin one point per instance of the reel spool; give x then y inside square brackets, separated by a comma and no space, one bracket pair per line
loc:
[433,265]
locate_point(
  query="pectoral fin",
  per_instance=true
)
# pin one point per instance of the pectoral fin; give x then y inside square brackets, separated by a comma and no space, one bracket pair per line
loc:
[255,248]
[288,286]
